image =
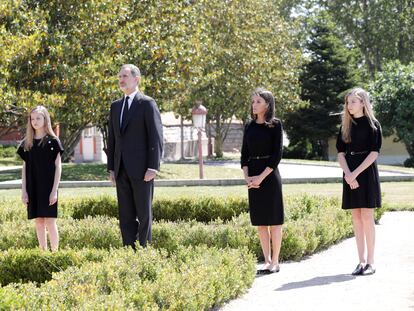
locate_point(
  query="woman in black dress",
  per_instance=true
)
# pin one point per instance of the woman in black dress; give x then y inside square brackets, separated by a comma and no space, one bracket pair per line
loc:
[358,145]
[260,155]
[40,151]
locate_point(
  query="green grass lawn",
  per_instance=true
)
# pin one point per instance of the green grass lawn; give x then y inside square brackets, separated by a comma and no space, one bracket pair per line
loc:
[397,195]
[94,171]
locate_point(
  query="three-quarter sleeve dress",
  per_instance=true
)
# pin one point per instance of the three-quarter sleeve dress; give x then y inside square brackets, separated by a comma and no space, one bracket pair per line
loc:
[364,139]
[261,148]
[40,175]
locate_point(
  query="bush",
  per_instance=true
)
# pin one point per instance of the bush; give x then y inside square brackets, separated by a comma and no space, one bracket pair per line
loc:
[7,151]
[24,265]
[191,279]
[99,232]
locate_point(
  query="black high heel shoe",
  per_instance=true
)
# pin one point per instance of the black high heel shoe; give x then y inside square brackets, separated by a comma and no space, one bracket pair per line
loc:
[358,270]
[368,270]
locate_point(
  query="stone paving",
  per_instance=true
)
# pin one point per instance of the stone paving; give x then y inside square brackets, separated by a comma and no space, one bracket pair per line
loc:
[324,282]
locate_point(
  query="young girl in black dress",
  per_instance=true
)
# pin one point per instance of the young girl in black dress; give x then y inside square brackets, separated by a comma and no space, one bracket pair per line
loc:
[260,155]
[40,151]
[358,145]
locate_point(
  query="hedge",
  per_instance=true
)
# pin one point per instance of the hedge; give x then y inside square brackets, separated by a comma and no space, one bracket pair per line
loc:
[203,209]
[191,279]
[313,223]
[23,265]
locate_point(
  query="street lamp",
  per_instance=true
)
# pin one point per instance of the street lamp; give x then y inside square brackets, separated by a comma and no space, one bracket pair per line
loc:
[199,113]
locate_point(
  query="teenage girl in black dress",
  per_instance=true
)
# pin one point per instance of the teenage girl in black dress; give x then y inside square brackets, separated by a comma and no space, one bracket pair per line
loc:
[358,145]
[40,151]
[260,155]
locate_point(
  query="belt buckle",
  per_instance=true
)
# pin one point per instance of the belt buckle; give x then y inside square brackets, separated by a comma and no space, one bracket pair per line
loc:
[352,152]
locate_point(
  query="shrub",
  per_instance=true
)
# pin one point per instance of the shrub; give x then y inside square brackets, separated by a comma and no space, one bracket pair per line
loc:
[192,279]
[7,151]
[99,232]
[23,265]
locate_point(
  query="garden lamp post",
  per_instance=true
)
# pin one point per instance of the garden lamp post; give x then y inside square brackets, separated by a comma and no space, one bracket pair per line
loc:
[199,113]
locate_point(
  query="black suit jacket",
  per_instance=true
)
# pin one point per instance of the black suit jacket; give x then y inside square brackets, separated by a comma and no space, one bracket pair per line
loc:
[140,143]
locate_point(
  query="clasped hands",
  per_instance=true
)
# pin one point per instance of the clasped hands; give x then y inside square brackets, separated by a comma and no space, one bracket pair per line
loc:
[350,178]
[253,182]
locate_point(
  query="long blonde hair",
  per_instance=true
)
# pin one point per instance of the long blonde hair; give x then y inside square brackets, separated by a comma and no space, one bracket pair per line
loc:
[28,139]
[347,119]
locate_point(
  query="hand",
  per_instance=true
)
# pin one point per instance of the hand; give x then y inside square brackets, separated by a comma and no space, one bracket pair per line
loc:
[53,197]
[255,182]
[25,197]
[354,185]
[149,175]
[112,177]
[349,178]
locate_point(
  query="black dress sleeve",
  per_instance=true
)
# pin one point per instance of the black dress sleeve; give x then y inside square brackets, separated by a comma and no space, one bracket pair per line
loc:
[340,144]
[277,147]
[376,138]
[20,151]
[244,160]
[56,147]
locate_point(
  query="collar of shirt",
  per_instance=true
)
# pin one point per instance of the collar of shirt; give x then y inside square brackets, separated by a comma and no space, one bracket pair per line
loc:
[131,98]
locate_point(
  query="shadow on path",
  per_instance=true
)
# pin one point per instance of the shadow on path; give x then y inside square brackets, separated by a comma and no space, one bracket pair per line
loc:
[318,281]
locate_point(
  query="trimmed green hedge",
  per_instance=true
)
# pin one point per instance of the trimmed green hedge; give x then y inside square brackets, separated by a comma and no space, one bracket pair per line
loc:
[99,232]
[24,265]
[190,279]
[313,223]
[203,209]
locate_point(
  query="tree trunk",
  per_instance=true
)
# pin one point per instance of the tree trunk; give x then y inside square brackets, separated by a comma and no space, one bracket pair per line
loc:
[218,141]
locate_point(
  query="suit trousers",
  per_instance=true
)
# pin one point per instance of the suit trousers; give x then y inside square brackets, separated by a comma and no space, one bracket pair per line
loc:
[135,208]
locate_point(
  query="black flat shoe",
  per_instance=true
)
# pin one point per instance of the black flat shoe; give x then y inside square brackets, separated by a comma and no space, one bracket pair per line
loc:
[358,270]
[368,270]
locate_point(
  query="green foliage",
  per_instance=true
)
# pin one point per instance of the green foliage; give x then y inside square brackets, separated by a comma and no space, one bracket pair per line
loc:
[324,79]
[7,151]
[192,278]
[35,265]
[393,97]
[99,232]
[382,29]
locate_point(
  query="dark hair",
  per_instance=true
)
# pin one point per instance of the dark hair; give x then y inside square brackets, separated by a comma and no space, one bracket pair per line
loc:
[270,119]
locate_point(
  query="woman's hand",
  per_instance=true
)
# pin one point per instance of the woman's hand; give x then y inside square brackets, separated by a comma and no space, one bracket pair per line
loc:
[52,198]
[25,197]
[354,185]
[350,178]
[255,182]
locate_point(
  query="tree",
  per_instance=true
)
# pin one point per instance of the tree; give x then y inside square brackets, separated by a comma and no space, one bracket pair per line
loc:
[382,29]
[393,98]
[241,45]
[324,79]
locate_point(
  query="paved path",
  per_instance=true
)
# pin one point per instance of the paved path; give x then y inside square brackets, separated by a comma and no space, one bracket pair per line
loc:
[292,170]
[323,281]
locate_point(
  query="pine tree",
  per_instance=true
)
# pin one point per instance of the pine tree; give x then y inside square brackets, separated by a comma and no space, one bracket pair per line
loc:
[324,79]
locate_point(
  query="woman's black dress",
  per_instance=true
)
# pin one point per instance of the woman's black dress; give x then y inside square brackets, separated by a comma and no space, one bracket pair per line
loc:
[364,139]
[262,147]
[40,175]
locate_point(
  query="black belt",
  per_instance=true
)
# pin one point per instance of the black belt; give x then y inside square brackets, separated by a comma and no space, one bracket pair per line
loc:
[357,152]
[259,157]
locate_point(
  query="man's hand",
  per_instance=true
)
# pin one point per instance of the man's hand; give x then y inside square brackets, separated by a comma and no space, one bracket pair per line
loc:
[149,175]
[112,177]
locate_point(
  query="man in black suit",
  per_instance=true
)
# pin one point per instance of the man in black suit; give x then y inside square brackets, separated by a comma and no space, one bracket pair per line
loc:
[134,150]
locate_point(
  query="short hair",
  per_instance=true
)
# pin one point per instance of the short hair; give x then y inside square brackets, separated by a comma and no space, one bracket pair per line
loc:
[134,70]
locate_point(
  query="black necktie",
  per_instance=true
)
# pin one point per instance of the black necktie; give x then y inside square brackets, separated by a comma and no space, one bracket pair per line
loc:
[125,113]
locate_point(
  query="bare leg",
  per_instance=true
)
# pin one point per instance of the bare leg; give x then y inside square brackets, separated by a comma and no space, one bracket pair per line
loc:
[41,232]
[276,234]
[53,233]
[264,236]
[367,215]
[359,233]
